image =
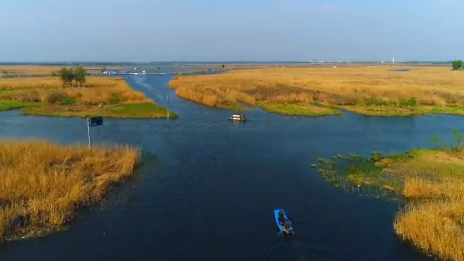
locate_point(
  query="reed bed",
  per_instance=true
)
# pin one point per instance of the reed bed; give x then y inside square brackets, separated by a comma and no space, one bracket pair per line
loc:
[431,186]
[43,70]
[360,89]
[106,96]
[43,185]
[97,90]
[27,70]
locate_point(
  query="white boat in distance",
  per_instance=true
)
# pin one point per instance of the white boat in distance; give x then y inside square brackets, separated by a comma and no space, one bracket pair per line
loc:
[238,118]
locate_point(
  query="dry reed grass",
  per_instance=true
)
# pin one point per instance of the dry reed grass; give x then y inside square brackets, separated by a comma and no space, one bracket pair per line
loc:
[28,83]
[435,227]
[430,183]
[358,87]
[105,96]
[97,90]
[42,185]
[43,70]
[433,189]
[433,218]
[27,70]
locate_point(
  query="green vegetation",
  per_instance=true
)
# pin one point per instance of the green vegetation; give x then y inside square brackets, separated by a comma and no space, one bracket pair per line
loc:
[68,101]
[356,172]
[385,111]
[458,65]
[3,91]
[235,107]
[68,75]
[429,183]
[142,110]
[79,75]
[452,110]
[300,109]
[6,106]
[127,111]
[403,111]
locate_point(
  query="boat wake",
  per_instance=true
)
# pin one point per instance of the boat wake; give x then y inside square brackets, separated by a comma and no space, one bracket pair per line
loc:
[292,247]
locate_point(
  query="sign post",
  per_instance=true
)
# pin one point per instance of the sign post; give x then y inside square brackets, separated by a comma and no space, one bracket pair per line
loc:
[93,122]
[88,133]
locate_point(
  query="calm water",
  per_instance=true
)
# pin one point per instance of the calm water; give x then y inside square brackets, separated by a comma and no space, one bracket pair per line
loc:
[211,192]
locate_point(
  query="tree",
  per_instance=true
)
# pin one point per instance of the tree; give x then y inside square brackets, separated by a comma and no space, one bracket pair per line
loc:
[63,73]
[80,74]
[71,76]
[457,65]
[67,76]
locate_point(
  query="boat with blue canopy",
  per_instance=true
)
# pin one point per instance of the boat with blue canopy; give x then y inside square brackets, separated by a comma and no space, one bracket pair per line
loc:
[283,222]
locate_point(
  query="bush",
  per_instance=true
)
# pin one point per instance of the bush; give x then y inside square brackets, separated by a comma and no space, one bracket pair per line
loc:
[376,156]
[54,97]
[115,98]
[457,65]
[68,101]
[373,102]
[408,103]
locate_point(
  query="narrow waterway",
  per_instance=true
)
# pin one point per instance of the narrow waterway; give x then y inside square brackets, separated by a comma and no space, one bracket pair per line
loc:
[211,192]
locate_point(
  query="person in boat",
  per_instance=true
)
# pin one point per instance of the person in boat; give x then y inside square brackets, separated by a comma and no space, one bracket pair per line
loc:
[282,219]
[288,225]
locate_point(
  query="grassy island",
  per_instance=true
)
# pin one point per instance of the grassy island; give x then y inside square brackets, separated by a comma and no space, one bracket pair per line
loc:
[367,90]
[429,184]
[104,96]
[43,185]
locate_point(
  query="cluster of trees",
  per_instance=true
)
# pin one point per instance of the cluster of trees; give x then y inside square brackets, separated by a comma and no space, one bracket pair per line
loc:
[68,75]
[458,65]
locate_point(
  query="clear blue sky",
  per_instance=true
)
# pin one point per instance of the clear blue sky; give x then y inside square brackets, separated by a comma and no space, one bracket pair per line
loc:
[216,30]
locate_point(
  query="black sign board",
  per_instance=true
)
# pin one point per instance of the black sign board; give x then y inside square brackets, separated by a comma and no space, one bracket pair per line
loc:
[96,121]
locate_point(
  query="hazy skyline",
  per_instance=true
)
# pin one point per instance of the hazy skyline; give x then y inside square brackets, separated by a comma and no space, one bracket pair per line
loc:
[240,30]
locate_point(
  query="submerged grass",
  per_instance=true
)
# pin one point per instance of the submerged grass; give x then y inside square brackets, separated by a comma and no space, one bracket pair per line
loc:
[111,97]
[42,185]
[429,181]
[368,91]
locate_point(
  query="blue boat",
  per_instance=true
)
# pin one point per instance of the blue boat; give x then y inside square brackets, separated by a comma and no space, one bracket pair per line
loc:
[281,228]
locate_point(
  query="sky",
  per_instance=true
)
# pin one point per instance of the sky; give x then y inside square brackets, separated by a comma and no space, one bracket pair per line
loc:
[239,30]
